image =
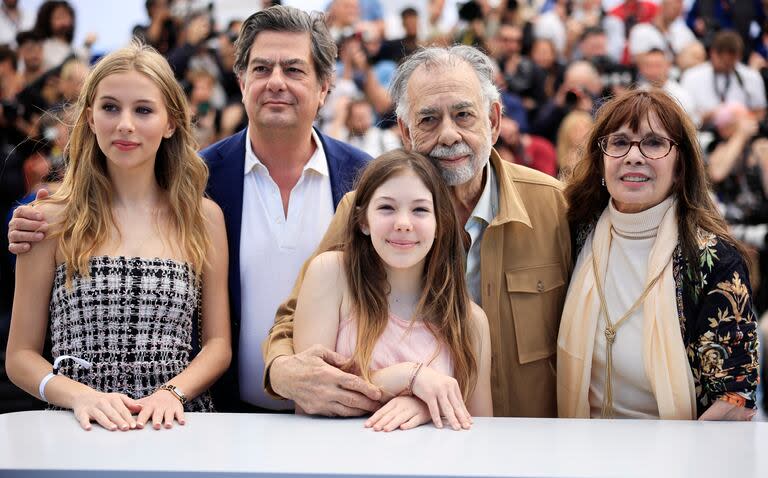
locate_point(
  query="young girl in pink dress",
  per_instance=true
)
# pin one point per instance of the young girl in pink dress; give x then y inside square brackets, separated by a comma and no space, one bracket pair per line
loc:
[393,298]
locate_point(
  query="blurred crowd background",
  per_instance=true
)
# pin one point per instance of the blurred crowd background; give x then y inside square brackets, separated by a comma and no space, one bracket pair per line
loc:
[557,61]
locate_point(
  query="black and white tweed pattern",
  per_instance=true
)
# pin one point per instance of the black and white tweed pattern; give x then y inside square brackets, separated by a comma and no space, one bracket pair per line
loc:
[132,319]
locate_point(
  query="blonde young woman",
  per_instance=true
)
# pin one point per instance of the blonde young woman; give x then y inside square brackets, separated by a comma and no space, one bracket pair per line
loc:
[133,251]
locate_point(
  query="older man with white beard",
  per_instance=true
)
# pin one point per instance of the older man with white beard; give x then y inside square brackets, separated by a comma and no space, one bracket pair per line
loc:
[517,242]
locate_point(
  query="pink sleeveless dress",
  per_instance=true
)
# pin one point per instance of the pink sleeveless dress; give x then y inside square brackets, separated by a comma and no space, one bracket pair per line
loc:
[400,342]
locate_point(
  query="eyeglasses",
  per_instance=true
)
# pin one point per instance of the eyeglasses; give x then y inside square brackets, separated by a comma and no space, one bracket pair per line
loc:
[652,146]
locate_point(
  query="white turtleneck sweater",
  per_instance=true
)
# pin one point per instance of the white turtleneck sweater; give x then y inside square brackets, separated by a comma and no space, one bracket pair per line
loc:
[632,239]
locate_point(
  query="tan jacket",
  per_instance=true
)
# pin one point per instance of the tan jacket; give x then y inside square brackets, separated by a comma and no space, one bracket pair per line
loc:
[525,262]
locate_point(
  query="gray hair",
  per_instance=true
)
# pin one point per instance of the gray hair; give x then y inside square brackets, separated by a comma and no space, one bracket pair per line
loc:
[436,57]
[279,18]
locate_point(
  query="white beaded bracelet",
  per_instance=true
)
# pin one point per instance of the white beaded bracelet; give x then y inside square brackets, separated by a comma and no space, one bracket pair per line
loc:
[41,389]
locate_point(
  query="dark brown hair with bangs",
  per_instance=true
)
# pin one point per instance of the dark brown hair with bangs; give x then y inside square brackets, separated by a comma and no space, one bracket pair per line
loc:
[444,306]
[587,197]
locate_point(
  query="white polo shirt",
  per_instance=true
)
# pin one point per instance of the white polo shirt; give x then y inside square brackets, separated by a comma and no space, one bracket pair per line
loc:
[273,248]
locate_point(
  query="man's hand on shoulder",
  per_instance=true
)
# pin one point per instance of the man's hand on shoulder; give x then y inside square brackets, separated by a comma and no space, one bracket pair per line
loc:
[27,227]
[313,380]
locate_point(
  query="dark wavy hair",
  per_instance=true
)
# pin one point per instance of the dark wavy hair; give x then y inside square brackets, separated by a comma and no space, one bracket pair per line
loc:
[279,18]
[444,305]
[587,198]
[45,14]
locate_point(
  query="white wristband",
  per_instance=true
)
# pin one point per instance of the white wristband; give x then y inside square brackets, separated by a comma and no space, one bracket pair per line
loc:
[43,383]
[41,389]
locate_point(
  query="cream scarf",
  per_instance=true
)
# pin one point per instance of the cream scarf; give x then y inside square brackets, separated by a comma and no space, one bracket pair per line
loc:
[664,357]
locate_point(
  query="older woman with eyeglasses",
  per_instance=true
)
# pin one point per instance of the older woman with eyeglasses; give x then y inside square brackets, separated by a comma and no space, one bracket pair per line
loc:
[658,320]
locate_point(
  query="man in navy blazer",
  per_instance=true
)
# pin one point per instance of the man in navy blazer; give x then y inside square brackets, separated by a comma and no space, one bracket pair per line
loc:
[278,183]
[226,162]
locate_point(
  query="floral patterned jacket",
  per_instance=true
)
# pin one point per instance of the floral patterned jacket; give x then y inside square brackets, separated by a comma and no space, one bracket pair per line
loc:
[717,321]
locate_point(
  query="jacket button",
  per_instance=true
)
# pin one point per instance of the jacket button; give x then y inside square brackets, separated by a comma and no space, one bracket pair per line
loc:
[540,286]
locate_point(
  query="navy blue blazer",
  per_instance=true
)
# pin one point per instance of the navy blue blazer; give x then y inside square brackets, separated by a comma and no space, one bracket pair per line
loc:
[226,164]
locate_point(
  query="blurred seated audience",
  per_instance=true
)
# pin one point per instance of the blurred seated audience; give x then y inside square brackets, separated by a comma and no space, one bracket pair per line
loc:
[161,32]
[619,21]
[737,164]
[71,79]
[653,69]
[666,31]
[527,150]
[692,55]
[724,79]
[204,112]
[30,52]
[614,76]
[544,55]
[55,24]
[522,77]
[354,124]
[707,17]
[398,48]
[13,20]
[570,140]
[581,90]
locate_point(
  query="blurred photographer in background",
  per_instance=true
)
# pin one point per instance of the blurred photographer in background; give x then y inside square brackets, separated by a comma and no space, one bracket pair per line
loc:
[161,32]
[55,24]
[737,164]
[357,74]
[707,17]
[544,55]
[724,79]
[666,31]
[398,48]
[192,48]
[11,131]
[573,132]
[692,55]
[581,90]
[354,124]
[593,47]
[522,77]
[71,79]
[30,51]
[344,17]
[524,149]
[653,68]
[204,113]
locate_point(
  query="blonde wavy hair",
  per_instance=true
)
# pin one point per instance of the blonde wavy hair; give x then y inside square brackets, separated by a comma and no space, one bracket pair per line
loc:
[86,191]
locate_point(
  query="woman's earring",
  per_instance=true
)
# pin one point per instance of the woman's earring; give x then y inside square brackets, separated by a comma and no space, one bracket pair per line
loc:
[602,181]
[365,231]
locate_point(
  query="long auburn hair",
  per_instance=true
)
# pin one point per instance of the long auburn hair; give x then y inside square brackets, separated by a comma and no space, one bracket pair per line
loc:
[587,198]
[86,191]
[444,305]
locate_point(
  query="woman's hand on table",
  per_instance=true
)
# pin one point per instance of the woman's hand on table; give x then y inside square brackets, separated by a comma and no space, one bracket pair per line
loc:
[112,411]
[162,407]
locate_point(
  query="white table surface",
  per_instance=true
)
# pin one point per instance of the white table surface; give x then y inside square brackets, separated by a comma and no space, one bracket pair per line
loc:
[52,444]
